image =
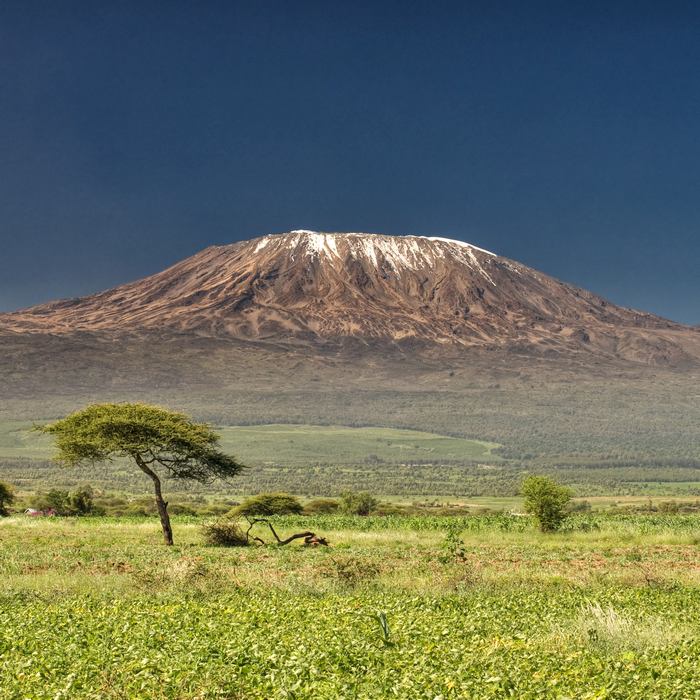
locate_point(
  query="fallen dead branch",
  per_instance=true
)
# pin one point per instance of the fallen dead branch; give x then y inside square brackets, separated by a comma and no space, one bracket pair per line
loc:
[311,539]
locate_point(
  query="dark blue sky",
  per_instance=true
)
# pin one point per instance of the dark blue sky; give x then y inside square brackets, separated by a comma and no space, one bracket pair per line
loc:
[564,135]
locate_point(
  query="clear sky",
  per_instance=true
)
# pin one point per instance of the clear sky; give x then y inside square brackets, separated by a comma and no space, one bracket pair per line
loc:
[565,135]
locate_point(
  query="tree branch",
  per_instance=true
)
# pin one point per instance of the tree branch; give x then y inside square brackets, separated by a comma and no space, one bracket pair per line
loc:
[310,538]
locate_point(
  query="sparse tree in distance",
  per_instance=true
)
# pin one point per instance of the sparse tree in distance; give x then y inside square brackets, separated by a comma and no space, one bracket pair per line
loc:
[82,501]
[158,441]
[546,500]
[270,504]
[7,498]
[55,500]
[321,505]
[358,502]
[78,502]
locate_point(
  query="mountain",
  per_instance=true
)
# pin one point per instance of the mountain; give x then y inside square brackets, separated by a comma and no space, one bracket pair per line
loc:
[369,330]
[326,290]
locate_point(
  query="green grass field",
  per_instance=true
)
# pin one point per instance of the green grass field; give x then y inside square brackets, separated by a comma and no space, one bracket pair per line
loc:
[315,444]
[298,444]
[98,608]
[18,440]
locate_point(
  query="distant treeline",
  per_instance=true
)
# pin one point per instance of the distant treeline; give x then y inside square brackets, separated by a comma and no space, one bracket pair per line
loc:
[409,479]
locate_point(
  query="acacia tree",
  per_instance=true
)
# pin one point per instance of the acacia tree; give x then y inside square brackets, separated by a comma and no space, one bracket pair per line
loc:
[159,442]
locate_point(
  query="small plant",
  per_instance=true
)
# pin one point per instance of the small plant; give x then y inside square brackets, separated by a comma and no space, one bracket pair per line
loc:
[225,533]
[350,570]
[453,548]
[546,500]
[380,617]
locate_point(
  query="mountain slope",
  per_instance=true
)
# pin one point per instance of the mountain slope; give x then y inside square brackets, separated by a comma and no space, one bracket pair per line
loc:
[324,288]
[351,329]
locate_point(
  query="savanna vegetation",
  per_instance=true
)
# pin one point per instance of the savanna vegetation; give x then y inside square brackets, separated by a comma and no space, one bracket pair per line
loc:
[328,460]
[396,606]
[319,584]
[602,430]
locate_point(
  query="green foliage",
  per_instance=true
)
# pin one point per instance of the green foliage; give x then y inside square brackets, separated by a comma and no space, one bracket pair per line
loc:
[453,549]
[63,502]
[82,501]
[358,502]
[146,434]
[269,504]
[7,498]
[55,499]
[89,610]
[321,505]
[546,500]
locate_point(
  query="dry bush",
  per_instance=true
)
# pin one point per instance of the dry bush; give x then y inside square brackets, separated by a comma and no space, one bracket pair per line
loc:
[349,570]
[226,532]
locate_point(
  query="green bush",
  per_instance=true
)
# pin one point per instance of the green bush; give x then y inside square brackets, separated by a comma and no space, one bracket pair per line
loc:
[546,500]
[78,502]
[322,505]
[82,501]
[358,502]
[270,504]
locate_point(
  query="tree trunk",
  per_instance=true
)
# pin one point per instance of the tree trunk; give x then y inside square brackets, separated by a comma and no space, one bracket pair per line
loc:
[160,503]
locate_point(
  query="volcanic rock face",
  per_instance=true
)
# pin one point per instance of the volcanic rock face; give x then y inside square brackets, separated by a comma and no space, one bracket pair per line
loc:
[324,288]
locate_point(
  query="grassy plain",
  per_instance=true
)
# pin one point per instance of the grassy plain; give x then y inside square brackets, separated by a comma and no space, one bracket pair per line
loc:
[297,444]
[326,459]
[97,607]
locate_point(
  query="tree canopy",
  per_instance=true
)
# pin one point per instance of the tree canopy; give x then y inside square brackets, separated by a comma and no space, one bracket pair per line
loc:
[358,502]
[270,504]
[160,442]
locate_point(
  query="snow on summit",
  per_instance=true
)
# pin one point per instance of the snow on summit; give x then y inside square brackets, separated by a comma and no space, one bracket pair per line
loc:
[400,252]
[315,286]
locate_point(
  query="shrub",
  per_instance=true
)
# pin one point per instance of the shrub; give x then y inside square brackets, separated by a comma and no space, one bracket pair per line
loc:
[79,502]
[181,509]
[358,502]
[579,507]
[56,500]
[225,533]
[7,498]
[321,505]
[270,504]
[82,501]
[349,570]
[453,549]
[546,500]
